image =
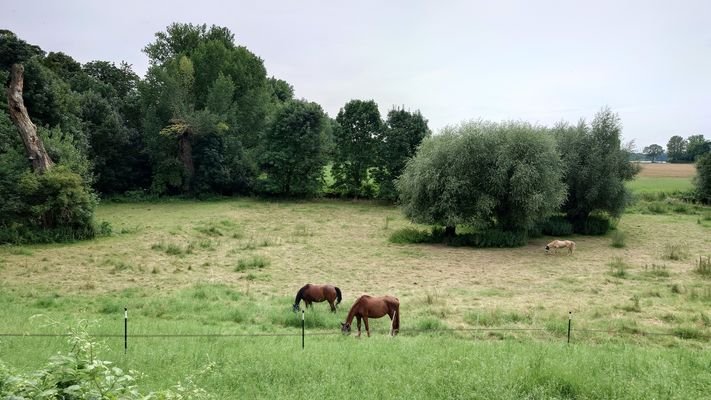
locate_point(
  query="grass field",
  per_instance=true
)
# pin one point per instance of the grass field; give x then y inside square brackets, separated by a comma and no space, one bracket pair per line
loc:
[663,178]
[233,266]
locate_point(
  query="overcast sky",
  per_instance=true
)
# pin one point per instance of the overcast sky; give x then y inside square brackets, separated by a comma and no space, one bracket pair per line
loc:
[540,61]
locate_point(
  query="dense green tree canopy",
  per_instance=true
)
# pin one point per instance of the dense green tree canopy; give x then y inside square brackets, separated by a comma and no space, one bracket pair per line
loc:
[653,151]
[484,174]
[209,98]
[293,156]
[676,148]
[596,166]
[702,180]
[697,146]
[358,126]
[398,141]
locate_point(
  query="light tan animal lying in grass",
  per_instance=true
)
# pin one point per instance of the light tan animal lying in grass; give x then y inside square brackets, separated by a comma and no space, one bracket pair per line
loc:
[559,244]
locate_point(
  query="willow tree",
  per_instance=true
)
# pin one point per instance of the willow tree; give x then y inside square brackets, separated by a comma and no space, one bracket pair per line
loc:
[596,167]
[485,175]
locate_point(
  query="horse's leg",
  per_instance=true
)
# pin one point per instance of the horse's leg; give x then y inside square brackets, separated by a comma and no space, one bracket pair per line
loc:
[333,307]
[367,329]
[358,319]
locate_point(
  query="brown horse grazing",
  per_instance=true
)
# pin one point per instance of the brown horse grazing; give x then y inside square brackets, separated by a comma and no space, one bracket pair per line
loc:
[559,244]
[318,293]
[373,307]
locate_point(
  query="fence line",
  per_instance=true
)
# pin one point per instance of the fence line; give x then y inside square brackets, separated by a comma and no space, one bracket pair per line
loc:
[401,331]
[303,335]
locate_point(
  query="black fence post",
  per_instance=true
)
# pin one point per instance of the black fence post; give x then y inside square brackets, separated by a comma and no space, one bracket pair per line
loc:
[570,321]
[125,330]
[302,330]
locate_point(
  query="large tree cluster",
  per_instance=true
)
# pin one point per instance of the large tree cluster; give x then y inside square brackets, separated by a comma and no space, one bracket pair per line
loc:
[206,119]
[512,176]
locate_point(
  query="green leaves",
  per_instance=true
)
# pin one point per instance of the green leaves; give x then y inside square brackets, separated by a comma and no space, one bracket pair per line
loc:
[355,136]
[595,166]
[483,174]
[293,153]
[702,181]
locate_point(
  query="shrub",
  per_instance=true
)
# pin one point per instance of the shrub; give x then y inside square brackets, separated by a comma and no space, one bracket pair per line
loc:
[557,225]
[483,239]
[410,235]
[702,181]
[52,207]
[592,225]
[688,333]
[79,374]
[657,207]
[429,324]
[252,263]
[491,238]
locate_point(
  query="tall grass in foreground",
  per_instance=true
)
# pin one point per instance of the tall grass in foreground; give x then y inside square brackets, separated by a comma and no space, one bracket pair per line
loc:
[410,368]
[703,266]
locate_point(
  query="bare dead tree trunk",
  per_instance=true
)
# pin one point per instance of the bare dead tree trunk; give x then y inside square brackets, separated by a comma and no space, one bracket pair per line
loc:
[28,131]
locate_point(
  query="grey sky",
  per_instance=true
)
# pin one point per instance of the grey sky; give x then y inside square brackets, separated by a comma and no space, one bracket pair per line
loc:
[540,61]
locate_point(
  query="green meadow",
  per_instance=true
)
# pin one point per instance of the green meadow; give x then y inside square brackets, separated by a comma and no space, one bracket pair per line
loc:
[476,323]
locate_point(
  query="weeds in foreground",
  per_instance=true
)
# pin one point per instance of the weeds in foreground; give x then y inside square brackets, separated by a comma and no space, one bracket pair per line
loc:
[80,374]
[618,268]
[634,307]
[657,270]
[173,249]
[254,262]
[703,266]
[618,239]
[675,251]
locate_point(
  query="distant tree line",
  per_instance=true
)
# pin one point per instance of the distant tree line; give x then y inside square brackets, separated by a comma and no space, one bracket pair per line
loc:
[208,120]
[687,150]
[678,150]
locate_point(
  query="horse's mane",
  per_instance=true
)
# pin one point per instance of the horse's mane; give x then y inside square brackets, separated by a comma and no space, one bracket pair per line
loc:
[300,293]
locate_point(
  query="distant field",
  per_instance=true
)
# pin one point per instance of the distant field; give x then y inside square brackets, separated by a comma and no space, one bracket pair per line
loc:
[647,184]
[667,170]
[663,178]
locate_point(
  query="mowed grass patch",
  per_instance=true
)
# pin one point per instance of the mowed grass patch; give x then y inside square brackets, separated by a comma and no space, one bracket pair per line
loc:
[438,286]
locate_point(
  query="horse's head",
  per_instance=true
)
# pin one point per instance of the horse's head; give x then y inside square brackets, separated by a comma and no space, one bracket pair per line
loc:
[548,248]
[296,308]
[345,328]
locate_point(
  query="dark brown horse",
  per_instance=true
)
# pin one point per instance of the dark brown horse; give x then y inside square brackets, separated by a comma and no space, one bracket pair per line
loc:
[318,293]
[373,307]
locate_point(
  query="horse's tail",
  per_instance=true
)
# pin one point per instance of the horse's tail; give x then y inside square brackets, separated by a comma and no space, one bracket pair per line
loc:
[299,295]
[396,321]
[572,246]
[338,296]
